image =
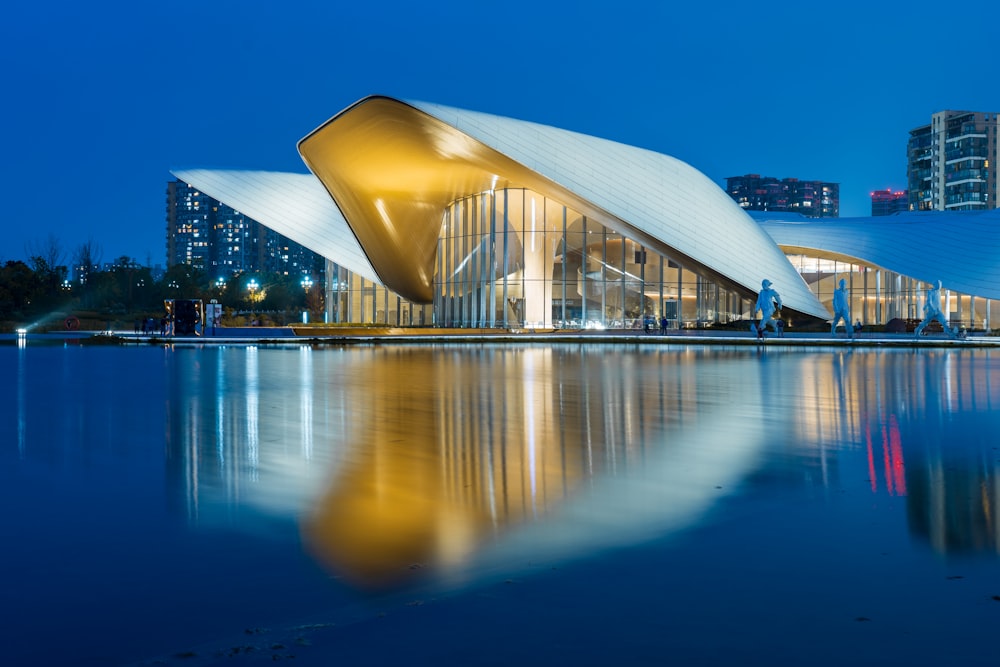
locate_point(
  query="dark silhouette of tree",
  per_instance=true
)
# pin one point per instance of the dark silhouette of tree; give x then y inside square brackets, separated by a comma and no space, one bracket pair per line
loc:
[19,288]
[48,253]
[86,260]
[314,300]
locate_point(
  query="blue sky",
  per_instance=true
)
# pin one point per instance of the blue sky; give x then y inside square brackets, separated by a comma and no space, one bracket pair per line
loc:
[104,98]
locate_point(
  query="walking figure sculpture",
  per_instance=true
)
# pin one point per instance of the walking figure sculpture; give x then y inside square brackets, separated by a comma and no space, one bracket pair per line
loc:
[768,302]
[841,309]
[932,311]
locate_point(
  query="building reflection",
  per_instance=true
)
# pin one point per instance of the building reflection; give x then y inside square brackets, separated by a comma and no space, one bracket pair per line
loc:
[401,461]
[543,452]
[923,420]
[432,458]
[240,429]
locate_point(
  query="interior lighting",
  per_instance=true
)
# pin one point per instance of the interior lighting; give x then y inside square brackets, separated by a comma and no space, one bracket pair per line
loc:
[532,224]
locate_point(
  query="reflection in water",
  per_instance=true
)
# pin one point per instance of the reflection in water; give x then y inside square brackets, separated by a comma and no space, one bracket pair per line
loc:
[926,424]
[22,397]
[411,459]
[461,453]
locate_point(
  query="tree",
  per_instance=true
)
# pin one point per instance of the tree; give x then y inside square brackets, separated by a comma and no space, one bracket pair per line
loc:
[19,287]
[48,252]
[183,281]
[86,260]
[315,302]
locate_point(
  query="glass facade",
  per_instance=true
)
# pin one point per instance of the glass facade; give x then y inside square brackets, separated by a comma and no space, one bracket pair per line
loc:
[514,258]
[517,259]
[878,296]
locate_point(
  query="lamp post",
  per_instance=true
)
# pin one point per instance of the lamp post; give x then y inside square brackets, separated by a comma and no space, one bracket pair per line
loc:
[307,283]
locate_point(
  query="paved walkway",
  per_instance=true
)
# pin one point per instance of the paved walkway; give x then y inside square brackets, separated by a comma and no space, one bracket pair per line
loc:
[343,336]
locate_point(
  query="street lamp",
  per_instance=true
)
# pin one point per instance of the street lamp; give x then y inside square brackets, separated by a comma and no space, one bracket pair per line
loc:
[307,283]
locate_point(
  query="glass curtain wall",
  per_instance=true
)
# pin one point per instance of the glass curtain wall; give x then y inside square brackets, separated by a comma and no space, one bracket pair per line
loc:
[516,259]
[878,295]
[351,299]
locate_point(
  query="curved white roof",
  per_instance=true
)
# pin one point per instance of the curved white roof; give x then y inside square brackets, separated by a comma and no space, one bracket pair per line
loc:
[956,247]
[295,205]
[392,166]
[652,193]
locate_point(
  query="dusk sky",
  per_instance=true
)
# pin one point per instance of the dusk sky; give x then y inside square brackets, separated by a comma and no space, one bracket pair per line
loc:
[104,98]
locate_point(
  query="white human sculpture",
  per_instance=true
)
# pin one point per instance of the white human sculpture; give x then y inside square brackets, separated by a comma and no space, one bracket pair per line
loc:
[932,311]
[768,302]
[841,309]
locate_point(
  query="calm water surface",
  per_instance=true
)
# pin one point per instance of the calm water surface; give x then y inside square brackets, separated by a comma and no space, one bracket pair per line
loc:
[707,504]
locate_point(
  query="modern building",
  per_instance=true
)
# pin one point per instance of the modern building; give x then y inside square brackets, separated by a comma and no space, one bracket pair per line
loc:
[204,232]
[813,199]
[889,262]
[951,163]
[431,215]
[888,201]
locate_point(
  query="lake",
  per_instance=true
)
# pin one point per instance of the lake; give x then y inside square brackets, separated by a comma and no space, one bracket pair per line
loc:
[491,504]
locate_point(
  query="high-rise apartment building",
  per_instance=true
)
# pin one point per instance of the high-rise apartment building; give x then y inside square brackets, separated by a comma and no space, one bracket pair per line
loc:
[189,225]
[888,201]
[815,199]
[203,232]
[951,163]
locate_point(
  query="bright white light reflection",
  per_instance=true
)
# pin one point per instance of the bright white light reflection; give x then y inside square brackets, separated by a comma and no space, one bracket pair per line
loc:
[383,213]
[220,409]
[22,399]
[532,224]
[253,412]
[306,399]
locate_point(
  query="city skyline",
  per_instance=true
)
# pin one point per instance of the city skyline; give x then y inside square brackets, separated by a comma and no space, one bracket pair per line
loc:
[109,98]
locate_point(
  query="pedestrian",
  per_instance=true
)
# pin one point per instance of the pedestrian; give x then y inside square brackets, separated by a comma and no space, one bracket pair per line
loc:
[663,325]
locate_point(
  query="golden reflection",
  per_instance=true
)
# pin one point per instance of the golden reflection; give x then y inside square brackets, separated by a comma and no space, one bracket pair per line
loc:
[455,449]
[402,461]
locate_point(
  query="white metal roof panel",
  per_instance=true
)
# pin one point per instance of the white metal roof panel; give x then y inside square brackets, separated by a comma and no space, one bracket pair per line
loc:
[295,205]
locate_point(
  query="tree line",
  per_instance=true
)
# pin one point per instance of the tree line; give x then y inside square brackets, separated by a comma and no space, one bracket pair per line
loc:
[42,291]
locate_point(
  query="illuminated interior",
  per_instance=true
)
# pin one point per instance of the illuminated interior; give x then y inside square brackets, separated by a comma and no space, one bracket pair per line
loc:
[447,220]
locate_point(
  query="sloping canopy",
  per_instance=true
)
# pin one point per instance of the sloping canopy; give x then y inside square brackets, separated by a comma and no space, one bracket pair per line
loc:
[956,247]
[392,167]
[295,205]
